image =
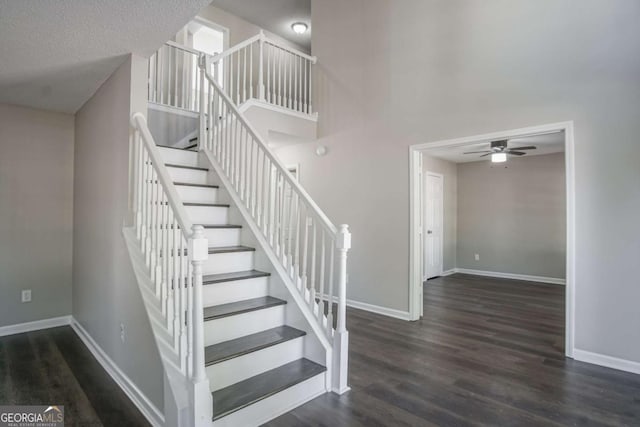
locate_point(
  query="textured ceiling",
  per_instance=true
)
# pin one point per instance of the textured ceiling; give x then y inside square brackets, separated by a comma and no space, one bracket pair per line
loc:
[546,144]
[273,15]
[54,54]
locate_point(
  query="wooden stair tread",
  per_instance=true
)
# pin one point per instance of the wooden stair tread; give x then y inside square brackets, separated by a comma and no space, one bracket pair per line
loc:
[228,249]
[217,205]
[197,168]
[236,275]
[221,225]
[240,307]
[175,148]
[248,344]
[262,386]
[189,184]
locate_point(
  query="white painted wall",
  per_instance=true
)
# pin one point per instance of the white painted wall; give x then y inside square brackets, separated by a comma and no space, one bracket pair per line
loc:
[513,215]
[392,74]
[240,29]
[36,204]
[105,292]
[449,172]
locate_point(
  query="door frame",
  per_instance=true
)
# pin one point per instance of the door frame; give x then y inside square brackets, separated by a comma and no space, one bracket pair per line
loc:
[415,160]
[423,204]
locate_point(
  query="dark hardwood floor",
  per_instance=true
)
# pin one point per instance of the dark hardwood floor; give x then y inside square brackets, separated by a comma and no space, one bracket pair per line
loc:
[488,352]
[53,366]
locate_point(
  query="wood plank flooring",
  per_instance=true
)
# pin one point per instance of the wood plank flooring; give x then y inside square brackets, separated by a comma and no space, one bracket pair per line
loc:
[53,366]
[488,352]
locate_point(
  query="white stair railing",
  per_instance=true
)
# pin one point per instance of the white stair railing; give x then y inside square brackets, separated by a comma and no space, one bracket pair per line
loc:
[298,234]
[259,68]
[264,69]
[173,77]
[173,250]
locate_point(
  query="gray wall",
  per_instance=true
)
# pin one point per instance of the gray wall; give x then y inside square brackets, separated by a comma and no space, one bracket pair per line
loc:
[36,206]
[449,171]
[240,29]
[395,73]
[105,292]
[513,215]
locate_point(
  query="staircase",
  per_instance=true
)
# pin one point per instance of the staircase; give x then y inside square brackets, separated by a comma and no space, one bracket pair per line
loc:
[236,263]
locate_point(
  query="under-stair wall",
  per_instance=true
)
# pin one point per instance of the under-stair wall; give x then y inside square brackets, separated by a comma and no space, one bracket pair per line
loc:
[105,293]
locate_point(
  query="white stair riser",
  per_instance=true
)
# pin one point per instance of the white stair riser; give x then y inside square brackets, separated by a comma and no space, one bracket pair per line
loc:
[275,405]
[218,237]
[191,176]
[240,368]
[179,157]
[197,194]
[228,262]
[236,290]
[208,214]
[232,327]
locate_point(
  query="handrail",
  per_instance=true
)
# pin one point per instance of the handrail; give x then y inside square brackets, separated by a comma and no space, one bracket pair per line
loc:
[215,58]
[183,47]
[275,160]
[289,49]
[139,122]
[174,251]
[297,236]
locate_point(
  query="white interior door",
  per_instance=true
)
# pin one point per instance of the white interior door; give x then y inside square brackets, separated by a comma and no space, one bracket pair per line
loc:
[433,225]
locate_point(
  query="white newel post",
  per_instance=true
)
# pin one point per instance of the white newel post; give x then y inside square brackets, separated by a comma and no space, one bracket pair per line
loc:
[260,67]
[341,336]
[201,395]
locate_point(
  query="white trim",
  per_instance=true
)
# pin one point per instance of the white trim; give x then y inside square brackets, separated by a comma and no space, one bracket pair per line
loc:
[253,102]
[441,176]
[415,276]
[36,325]
[173,110]
[385,311]
[377,309]
[607,361]
[449,272]
[144,405]
[514,276]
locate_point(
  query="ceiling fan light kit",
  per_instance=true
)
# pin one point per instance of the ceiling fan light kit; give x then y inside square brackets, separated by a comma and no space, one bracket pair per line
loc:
[499,151]
[498,157]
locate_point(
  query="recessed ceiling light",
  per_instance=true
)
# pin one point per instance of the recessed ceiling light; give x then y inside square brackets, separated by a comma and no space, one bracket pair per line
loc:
[299,27]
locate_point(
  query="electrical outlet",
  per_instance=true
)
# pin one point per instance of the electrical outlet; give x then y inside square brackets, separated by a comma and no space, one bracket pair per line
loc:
[26,295]
[477,257]
[122,332]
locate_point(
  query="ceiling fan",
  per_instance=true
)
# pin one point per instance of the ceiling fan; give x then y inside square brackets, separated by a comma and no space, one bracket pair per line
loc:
[499,151]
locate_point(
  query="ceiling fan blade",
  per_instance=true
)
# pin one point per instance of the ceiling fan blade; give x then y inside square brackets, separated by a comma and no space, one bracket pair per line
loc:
[477,152]
[528,147]
[485,155]
[516,153]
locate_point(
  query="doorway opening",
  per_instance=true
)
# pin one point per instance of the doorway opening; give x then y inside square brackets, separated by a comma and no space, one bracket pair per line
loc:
[495,238]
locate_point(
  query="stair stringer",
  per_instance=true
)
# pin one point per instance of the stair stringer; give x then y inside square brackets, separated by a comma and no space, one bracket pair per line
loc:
[280,277]
[176,396]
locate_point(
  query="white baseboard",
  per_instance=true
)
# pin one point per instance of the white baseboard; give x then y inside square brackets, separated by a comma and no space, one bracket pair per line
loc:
[448,272]
[528,278]
[35,325]
[607,361]
[148,409]
[390,312]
